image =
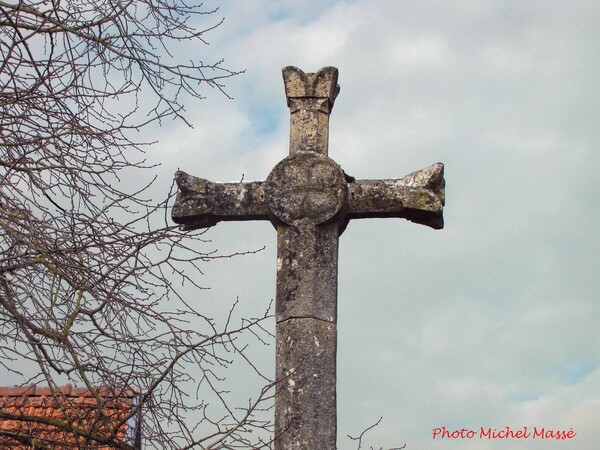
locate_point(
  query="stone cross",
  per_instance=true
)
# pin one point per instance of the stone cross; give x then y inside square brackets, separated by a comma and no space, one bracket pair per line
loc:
[309,200]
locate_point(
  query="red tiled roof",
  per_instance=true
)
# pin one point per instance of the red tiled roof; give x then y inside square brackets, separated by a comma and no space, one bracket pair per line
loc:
[65,418]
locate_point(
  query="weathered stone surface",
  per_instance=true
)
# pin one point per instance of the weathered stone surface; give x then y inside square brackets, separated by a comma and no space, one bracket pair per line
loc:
[306,188]
[321,84]
[309,200]
[307,272]
[310,97]
[418,197]
[306,394]
[201,203]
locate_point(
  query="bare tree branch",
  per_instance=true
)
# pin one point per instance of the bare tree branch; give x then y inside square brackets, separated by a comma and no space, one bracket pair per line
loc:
[360,437]
[90,270]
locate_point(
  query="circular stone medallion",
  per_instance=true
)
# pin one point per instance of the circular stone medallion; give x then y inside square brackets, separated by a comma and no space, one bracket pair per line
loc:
[306,187]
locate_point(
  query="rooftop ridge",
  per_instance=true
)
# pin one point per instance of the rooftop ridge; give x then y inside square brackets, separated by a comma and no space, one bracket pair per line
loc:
[68,390]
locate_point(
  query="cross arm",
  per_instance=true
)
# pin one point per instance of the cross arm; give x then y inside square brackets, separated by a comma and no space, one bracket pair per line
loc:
[201,203]
[418,197]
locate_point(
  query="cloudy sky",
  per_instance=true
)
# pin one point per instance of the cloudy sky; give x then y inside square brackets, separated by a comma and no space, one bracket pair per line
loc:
[491,322]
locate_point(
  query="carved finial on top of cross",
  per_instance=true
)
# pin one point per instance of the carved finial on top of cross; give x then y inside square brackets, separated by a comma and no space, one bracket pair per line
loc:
[322,84]
[310,97]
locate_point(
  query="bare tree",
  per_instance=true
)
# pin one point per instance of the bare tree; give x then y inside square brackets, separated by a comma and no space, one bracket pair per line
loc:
[90,270]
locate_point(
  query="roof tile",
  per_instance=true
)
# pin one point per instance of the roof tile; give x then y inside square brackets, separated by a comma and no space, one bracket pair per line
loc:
[33,414]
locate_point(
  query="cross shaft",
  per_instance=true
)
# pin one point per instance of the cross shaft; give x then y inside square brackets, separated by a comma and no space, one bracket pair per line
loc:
[309,200]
